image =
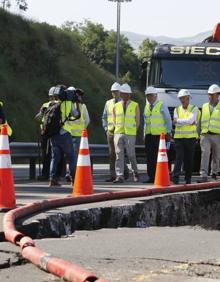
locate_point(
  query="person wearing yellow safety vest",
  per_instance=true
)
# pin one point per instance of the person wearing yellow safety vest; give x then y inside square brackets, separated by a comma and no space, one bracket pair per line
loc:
[62,142]
[210,134]
[157,120]
[185,119]
[108,125]
[4,121]
[78,125]
[126,119]
[44,142]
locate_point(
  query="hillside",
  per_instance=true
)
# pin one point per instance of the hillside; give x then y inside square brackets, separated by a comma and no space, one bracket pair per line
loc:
[35,56]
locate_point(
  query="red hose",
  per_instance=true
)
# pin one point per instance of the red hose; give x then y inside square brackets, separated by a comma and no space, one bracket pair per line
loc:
[58,267]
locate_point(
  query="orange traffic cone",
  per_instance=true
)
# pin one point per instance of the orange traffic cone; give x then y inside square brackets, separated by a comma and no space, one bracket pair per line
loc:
[7,194]
[162,177]
[83,184]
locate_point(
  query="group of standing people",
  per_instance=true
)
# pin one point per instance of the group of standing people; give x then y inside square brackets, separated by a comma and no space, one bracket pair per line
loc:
[121,119]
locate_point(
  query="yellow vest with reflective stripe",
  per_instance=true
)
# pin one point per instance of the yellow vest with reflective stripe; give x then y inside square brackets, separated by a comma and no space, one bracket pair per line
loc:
[210,122]
[110,105]
[65,108]
[125,123]
[79,124]
[8,126]
[154,120]
[188,130]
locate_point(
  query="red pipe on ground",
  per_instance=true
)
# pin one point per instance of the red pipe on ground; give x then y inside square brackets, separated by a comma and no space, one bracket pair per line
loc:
[57,266]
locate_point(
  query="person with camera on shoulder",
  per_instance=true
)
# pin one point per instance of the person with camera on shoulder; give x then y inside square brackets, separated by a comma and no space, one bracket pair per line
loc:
[58,126]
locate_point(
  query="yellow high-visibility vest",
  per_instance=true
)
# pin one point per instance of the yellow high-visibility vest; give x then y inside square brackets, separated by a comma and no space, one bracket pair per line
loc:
[78,125]
[65,108]
[125,123]
[9,129]
[110,105]
[154,120]
[210,122]
[188,130]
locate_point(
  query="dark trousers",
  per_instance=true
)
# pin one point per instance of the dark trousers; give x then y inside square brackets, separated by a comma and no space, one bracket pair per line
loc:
[112,156]
[151,147]
[46,159]
[61,144]
[46,156]
[185,149]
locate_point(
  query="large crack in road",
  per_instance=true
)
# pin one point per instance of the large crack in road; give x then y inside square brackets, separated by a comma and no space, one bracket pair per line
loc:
[10,259]
[182,209]
[128,216]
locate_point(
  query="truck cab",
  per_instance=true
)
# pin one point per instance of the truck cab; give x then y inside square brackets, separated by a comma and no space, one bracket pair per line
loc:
[193,67]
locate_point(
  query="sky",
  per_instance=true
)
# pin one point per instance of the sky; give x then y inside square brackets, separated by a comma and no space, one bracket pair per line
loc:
[149,17]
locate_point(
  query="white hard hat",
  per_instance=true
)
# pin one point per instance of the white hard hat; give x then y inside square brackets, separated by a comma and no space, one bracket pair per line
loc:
[213,89]
[125,88]
[51,91]
[115,86]
[71,88]
[183,93]
[151,90]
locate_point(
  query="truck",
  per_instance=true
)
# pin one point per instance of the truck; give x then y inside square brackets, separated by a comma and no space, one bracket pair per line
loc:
[194,67]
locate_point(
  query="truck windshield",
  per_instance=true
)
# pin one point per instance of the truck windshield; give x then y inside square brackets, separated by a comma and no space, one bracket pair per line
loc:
[182,73]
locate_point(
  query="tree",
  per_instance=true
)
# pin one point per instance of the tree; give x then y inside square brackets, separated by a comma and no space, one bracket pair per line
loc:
[93,42]
[146,48]
[22,4]
[6,4]
[127,78]
[99,46]
[128,59]
[73,28]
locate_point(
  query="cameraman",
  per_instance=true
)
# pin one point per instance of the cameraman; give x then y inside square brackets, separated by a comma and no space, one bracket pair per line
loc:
[79,124]
[44,142]
[62,142]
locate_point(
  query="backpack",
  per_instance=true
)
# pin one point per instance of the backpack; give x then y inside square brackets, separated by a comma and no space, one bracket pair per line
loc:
[51,120]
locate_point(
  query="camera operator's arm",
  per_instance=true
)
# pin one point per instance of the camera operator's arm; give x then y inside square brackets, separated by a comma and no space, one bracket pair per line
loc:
[40,114]
[86,116]
[75,112]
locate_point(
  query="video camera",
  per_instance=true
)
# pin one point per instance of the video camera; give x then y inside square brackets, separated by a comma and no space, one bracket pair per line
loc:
[65,94]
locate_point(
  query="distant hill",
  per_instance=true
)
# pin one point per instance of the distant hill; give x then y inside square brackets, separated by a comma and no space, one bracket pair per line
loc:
[136,39]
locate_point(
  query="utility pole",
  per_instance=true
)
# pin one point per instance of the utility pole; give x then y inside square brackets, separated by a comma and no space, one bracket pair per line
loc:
[118,36]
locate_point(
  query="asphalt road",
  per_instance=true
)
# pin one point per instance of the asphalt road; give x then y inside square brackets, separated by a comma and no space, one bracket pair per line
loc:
[126,255]
[151,254]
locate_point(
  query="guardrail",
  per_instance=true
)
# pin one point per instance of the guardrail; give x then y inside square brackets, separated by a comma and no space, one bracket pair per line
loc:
[21,151]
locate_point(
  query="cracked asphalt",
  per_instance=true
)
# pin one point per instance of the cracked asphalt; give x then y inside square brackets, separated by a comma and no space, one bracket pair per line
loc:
[129,254]
[151,254]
